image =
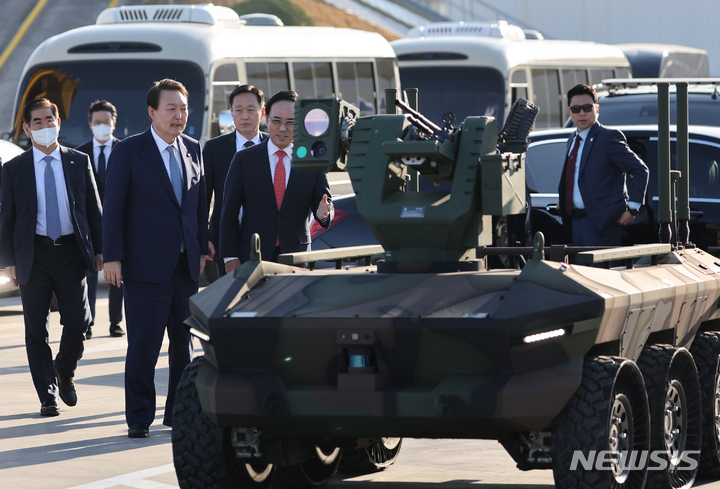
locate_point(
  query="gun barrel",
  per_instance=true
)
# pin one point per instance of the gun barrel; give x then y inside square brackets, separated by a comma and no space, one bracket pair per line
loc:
[419,117]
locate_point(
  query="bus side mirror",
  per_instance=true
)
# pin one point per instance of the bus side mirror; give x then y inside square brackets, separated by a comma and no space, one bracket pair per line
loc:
[225,122]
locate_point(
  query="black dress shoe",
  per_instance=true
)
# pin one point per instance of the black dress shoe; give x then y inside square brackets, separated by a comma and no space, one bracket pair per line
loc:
[66,388]
[88,333]
[139,430]
[116,331]
[49,408]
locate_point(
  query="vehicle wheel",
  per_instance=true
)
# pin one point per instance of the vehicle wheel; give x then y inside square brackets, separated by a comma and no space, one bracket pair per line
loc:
[377,456]
[608,414]
[673,391]
[705,349]
[316,471]
[201,453]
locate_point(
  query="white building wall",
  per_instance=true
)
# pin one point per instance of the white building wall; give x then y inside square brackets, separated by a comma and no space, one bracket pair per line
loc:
[694,23]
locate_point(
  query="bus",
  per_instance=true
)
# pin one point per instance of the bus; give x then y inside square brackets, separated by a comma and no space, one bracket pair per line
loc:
[479,69]
[210,50]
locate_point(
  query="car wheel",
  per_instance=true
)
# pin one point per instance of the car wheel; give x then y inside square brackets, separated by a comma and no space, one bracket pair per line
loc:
[201,452]
[372,458]
[606,417]
[705,349]
[673,391]
[316,470]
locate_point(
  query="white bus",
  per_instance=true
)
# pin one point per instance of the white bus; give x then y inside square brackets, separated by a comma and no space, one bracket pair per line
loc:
[481,69]
[211,51]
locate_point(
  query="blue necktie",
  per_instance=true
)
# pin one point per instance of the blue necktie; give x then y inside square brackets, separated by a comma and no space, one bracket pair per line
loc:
[175,175]
[52,214]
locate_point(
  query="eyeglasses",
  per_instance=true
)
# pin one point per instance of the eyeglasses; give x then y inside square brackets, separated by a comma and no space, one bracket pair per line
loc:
[575,109]
[277,122]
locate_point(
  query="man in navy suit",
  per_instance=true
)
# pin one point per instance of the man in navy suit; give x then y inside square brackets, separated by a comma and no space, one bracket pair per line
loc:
[247,105]
[278,202]
[50,234]
[594,201]
[102,117]
[155,225]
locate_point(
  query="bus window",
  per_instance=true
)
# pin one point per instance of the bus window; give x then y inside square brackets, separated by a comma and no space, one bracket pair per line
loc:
[546,95]
[74,85]
[224,82]
[226,73]
[386,79]
[596,76]
[518,85]
[570,78]
[357,86]
[464,91]
[623,72]
[313,79]
[268,77]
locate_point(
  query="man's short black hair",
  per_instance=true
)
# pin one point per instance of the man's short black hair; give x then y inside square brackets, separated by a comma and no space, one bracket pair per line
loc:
[248,89]
[582,89]
[102,106]
[38,103]
[289,95]
[153,96]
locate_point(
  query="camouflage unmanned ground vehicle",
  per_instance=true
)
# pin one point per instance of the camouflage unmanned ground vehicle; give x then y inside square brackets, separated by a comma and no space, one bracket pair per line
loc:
[597,373]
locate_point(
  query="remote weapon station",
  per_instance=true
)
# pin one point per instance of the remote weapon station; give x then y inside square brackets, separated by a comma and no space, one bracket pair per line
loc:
[606,375]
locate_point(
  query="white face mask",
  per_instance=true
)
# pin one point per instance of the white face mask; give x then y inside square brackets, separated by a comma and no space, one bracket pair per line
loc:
[102,132]
[46,136]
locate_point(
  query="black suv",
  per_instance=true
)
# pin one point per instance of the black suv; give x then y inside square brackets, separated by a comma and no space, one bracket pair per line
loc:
[633,101]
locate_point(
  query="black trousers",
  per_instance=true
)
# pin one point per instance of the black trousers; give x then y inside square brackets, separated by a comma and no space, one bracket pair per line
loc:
[150,309]
[58,269]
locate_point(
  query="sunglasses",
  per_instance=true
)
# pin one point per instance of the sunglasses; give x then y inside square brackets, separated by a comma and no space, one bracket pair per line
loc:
[575,109]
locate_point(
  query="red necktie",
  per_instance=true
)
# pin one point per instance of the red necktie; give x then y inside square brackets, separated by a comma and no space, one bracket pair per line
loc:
[279,183]
[570,176]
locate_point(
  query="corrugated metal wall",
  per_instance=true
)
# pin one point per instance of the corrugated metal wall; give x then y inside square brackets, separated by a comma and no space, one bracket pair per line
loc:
[694,23]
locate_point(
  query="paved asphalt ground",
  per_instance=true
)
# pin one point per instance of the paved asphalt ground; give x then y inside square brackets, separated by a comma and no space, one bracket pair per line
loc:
[87,447]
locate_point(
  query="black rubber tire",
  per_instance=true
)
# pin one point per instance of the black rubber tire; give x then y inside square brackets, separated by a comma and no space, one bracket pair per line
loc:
[611,388]
[201,451]
[377,456]
[313,472]
[673,390]
[705,349]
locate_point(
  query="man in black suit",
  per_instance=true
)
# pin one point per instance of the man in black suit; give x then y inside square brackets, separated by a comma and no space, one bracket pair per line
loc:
[102,117]
[50,234]
[247,105]
[156,229]
[279,202]
[594,201]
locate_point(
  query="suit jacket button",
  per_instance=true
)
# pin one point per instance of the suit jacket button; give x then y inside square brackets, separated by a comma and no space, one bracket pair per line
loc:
[180,234]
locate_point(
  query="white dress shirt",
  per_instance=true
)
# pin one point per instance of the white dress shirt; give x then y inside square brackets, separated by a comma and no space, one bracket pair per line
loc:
[240,141]
[66,226]
[162,147]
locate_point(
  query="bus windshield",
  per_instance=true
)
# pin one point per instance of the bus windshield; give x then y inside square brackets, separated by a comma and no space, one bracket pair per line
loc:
[463,91]
[73,86]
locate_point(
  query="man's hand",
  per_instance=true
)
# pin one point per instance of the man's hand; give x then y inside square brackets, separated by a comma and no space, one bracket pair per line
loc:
[625,219]
[203,258]
[10,272]
[231,265]
[98,262]
[211,248]
[324,208]
[112,271]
